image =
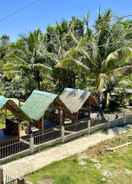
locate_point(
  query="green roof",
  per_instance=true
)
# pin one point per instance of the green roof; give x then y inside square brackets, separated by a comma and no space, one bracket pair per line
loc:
[3,101]
[37,104]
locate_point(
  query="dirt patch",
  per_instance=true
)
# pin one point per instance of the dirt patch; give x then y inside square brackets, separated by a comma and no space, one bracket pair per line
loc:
[101,148]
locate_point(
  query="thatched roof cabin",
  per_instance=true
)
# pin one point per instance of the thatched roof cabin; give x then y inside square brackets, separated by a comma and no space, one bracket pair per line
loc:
[9,104]
[75,100]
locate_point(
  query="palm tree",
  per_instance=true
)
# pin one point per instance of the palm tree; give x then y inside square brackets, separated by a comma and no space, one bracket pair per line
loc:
[59,39]
[104,54]
[28,57]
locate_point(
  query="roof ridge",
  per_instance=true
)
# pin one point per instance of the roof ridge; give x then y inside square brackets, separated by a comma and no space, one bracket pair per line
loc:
[43,93]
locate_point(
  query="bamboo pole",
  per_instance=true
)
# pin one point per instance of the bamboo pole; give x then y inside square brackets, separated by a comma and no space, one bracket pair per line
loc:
[118,147]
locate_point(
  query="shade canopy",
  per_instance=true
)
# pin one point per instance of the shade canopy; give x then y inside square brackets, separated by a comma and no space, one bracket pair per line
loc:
[74,99]
[37,104]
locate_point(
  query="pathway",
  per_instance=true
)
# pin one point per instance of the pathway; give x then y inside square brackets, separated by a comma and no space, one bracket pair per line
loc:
[29,164]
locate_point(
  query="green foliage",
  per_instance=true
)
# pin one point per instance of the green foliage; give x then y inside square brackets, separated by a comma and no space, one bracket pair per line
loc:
[68,54]
[65,78]
[15,89]
[105,55]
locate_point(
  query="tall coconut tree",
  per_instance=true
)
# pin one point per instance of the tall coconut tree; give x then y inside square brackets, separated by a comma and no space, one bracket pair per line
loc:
[28,57]
[59,39]
[104,54]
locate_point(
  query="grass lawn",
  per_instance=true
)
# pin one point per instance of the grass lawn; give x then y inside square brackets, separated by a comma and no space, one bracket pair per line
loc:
[95,166]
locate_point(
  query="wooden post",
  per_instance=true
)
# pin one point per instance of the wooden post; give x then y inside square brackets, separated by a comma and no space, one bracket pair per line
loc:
[89,121]
[19,103]
[5,114]
[62,125]
[63,133]
[124,117]
[31,143]
[89,126]
[1,176]
[76,117]
[43,124]
[19,131]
